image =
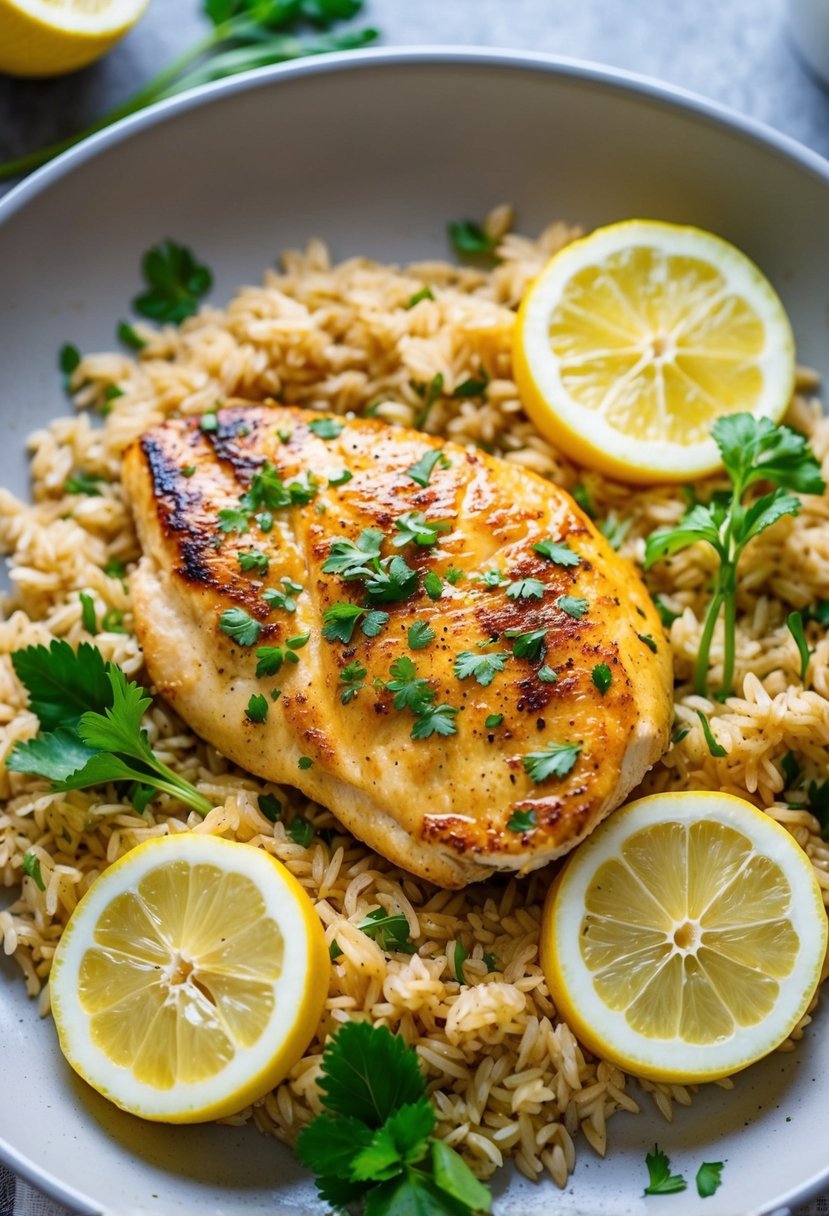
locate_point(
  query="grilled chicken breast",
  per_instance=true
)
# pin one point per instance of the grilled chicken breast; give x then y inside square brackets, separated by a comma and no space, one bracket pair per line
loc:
[494,681]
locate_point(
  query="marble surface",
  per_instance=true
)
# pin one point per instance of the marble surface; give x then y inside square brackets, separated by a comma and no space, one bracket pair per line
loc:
[737,52]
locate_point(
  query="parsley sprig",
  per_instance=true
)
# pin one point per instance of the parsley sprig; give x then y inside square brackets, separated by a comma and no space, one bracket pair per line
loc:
[373,1144]
[753,450]
[244,34]
[412,692]
[90,725]
[385,580]
[175,283]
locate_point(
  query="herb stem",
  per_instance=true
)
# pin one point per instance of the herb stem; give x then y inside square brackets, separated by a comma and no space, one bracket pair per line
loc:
[177,788]
[729,595]
[701,666]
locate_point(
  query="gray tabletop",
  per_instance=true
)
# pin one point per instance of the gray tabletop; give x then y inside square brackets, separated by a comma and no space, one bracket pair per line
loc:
[737,52]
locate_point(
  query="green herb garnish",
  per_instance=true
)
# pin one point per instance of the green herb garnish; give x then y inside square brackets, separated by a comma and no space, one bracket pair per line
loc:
[434,391]
[753,450]
[526,589]
[257,710]
[493,721]
[521,821]
[326,428]
[175,281]
[31,866]
[557,551]
[416,529]
[573,605]
[419,635]
[528,645]
[433,585]
[602,677]
[83,483]
[425,293]
[660,1179]
[124,332]
[253,559]
[483,667]
[240,626]
[270,806]
[794,622]
[89,619]
[715,748]
[389,929]
[469,239]
[555,760]
[90,724]
[340,620]
[300,829]
[649,641]
[459,956]
[422,469]
[352,678]
[340,478]
[547,675]
[709,1178]
[234,519]
[473,387]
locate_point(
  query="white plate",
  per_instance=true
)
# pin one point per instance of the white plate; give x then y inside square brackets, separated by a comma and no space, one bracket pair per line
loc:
[375,152]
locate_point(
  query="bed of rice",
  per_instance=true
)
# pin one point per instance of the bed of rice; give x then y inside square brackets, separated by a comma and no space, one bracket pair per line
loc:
[508,1078]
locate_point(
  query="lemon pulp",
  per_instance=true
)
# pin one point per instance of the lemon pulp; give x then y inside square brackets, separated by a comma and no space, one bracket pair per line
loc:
[51,37]
[685,939]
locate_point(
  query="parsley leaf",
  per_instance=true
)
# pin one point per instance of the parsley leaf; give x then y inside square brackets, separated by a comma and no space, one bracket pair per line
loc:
[300,829]
[286,598]
[257,710]
[326,428]
[433,585]
[521,821]
[83,483]
[557,551]
[493,578]
[240,626]
[393,580]
[469,238]
[267,489]
[422,469]
[482,666]
[373,622]
[555,760]
[709,1178]
[270,806]
[419,635]
[493,721]
[340,620]
[415,528]
[434,391]
[352,677]
[410,691]
[473,387]
[660,1179]
[350,558]
[128,336]
[648,640]
[602,677]
[752,449]
[425,293]
[304,762]
[547,675]
[270,661]
[526,589]
[63,683]
[368,1073]
[794,622]
[69,358]
[253,559]
[234,519]
[435,720]
[89,619]
[175,283]
[454,575]
[31,866]
[460,955]
[573,605]
[528,645]
[340,478]
[389,929]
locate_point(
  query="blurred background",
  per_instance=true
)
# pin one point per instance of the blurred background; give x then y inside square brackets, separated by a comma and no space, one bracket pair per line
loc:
[737,52]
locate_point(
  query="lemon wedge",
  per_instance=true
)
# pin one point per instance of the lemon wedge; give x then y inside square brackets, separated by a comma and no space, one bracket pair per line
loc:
[633,341]
[190,978]
[685,939]
[50,37]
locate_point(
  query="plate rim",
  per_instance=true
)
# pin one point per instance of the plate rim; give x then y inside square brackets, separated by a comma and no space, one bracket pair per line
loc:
[665,96]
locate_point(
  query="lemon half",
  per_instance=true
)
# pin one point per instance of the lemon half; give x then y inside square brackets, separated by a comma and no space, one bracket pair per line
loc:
[190,978]
[50,37]
[685,939]
[633,341]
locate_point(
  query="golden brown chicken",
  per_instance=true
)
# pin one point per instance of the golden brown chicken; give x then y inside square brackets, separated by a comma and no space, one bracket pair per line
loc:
[432,642]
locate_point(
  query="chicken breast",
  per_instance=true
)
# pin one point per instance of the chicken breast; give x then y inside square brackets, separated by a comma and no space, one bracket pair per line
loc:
[436,644]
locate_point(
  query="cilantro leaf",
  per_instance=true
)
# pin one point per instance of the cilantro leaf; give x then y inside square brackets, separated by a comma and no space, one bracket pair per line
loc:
[389,929]
[709,1178]
[284,599]
[528,645]
[62,683]
[422,469]
[573,605]
[270,660]
[175,280]
[368,1073]
[352,677]
[415,528]
[557,551]
[521,821]
[326,428]
[602,677]
[435,720]
[555,760]
[482,666]
[419,635]
[526,589]
[240,626]
[660,1179]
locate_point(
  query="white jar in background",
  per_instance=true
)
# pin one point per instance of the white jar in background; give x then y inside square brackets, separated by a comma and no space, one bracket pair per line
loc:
[809,24]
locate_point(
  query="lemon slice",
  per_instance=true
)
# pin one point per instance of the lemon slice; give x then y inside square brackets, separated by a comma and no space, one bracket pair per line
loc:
[684,940]
[633,341]
[190,978]
[50,37]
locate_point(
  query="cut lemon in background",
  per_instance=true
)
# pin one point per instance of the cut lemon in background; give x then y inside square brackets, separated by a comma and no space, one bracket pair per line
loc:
[50,37]
[633,341]
[190,978]
[685,938]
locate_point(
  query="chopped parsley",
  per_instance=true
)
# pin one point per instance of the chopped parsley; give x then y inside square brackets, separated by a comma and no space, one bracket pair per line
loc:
[422,469]
[340,478]
[89,619]
[528,645]
[433,585]
[340,620]
[470,239]
[352,678]
[493,578]
[326,428]
[286,598]
[493,721]
[716,749]
[573,605]
[240,626]
[660,1179]
[349,558]
[473,387]
[435,720]
[425,293]
[615,530]
[648,640]
[557,551]
[602,677]
[416,529]
[547,675]
[114,568]
[389,929]
[31,866]
[270,807]
[459,956]
[409,691]
[300,829]
[521,821]
[271,658]
[257,710]
[298,642]
[794,624]
[581,495]
[234,519]
[454,575]
[419,635]
[666,615]
[434,391]
[483,667]
[268,490]
[304,762]
[209,421]
[128,336]
[555,760]
[83,483]
[175,282]
[69,359]
[709,1178]
[253,559]
[113,621]
[526,589]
